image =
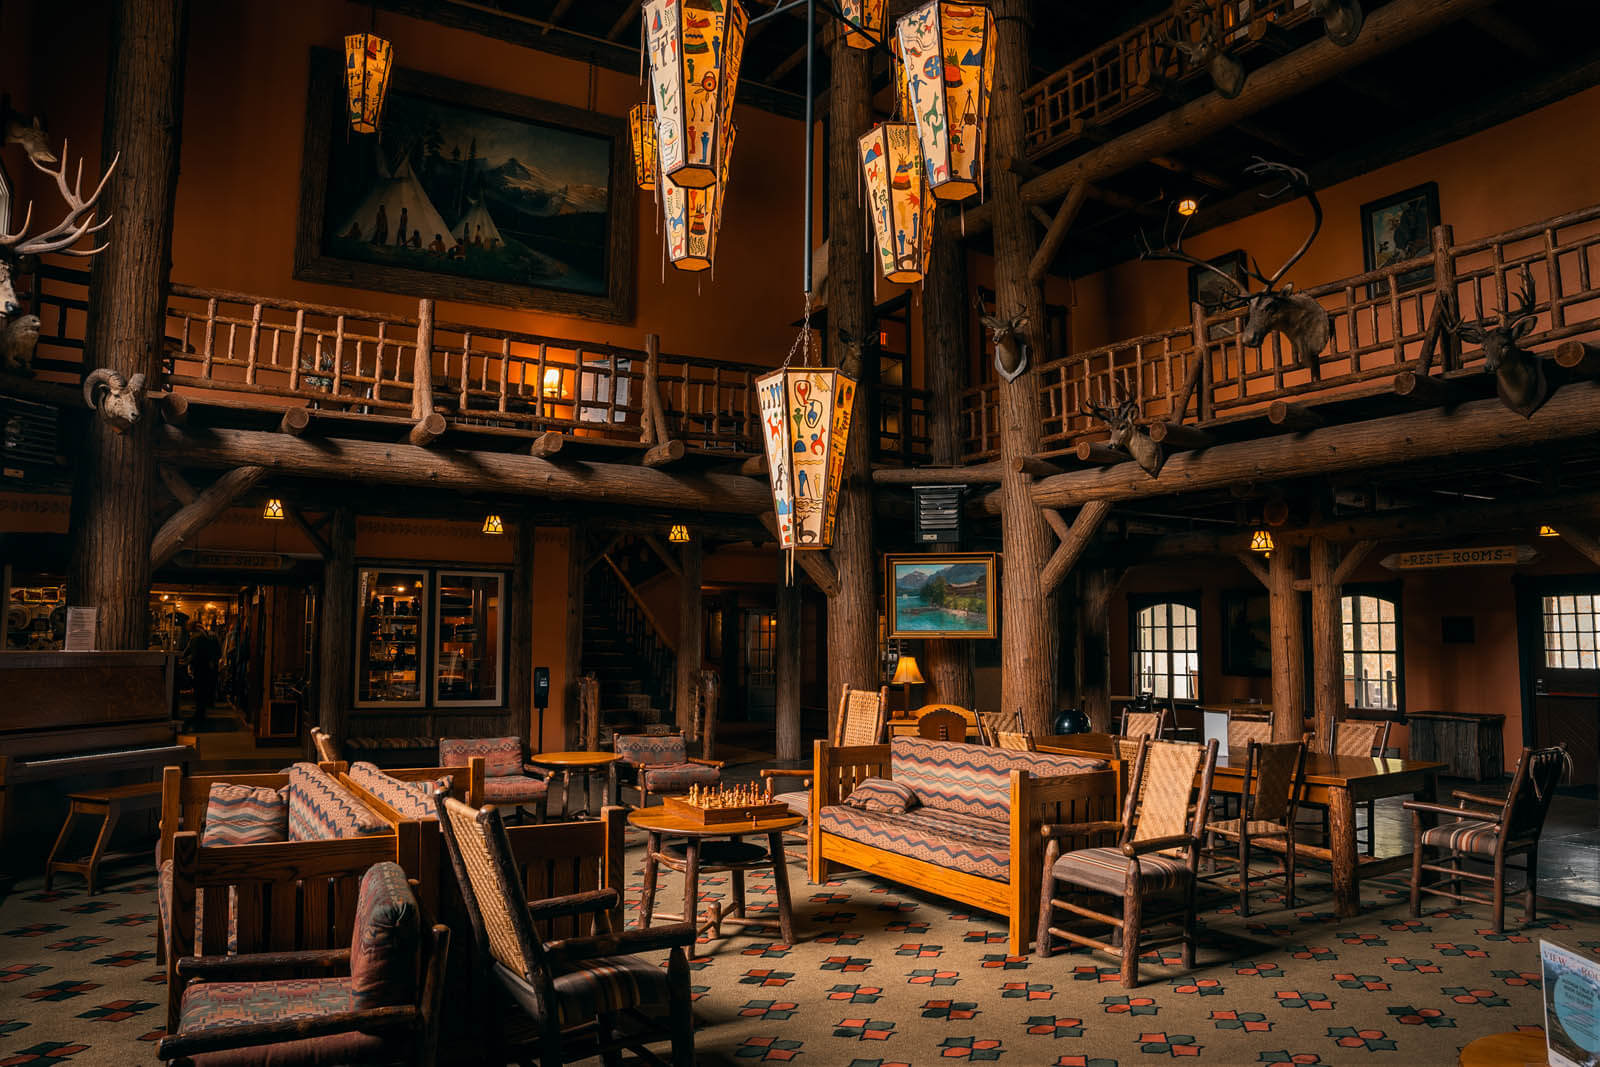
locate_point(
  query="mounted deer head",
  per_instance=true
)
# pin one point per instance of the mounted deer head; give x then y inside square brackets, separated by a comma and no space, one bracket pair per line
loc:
[1227,73]
[32,138]
[1010,344]
[117,399]
[857,350]
[1341,19]
[1519,378]
[76,224]
[1121,416]
[1300,318]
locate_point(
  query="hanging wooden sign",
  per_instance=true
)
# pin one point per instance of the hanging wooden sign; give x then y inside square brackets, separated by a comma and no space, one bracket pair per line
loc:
[1477,556]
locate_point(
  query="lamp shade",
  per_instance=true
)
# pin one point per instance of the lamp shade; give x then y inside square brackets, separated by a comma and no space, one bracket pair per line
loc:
[1261,541]
[898,200]
[867,16]
[368,59]
[948,66]
[694,216]
[679,534]
[695,48]
[642,125]
[805,419]
[906,672]
[273,510]
[493,525]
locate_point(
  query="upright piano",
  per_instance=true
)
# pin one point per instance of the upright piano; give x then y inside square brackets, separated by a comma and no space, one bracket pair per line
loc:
[69,714]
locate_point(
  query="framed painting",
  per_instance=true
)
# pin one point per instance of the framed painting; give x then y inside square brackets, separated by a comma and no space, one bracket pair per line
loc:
[1246,633]
[946,594]
[1211,293]
[468,194]
[1397,228]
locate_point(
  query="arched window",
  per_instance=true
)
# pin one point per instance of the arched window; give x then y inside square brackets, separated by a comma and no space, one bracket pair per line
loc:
[1373,677]
[1166,650]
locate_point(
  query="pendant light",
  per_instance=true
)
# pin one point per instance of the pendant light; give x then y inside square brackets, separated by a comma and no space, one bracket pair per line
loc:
[646,157]
[805,412]
[368,62]
[948,52]
[695,47]
[867,17]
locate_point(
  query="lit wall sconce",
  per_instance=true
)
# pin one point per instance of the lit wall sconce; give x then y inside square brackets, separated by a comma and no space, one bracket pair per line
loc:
[552,382]
[1188,206]
[493,526]
[1261,541]
[1548,531]
[679,534]
[273,510]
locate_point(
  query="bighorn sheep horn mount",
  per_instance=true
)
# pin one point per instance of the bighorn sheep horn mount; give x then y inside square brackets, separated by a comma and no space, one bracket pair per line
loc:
[1010,344]
[1341,19]
[1519,378]
[1227,73]
[1121,416]
[117,399]
[1300,318]
[18,332]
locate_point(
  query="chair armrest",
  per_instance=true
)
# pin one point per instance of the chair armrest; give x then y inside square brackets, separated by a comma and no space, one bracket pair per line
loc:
[1079,829]
[803,773]
[576,904]
[1445,809]
[1157,844]
[1479,798]
[717,763]
[218,1038]
[252,965]
[533,770]
[625,942]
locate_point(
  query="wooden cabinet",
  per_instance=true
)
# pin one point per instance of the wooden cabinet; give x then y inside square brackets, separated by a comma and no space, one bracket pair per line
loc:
[1470,744]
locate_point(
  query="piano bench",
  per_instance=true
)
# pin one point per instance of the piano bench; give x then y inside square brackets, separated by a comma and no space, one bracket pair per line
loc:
[109,804]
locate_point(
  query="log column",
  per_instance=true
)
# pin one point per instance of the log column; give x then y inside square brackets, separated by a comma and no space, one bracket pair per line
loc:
[577,551]
[519,684]
[944,345]
[336,630]
[853,610]
[691,635]
[113,497]
[1288,648]
[1327,648]
[786,650]
[1028,635]
[1097,585]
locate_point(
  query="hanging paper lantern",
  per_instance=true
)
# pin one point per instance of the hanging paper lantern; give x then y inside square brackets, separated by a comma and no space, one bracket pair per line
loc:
[642,124]
[868,15]
[898,200]
[695,48]
[805,418]
[948,68]
[368,59]
[695,215]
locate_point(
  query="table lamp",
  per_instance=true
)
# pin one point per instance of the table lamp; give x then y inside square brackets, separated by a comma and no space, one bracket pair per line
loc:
[907,674]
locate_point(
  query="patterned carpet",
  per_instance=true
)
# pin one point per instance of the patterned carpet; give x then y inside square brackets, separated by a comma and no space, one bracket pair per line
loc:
[886,975]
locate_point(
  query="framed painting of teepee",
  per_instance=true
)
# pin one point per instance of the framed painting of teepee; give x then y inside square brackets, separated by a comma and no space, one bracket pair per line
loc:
[468,194]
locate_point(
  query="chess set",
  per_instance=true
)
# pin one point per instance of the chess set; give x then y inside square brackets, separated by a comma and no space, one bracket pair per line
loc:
[723,803]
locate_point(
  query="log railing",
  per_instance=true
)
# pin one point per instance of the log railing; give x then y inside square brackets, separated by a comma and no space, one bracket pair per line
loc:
[1383,322]
[1130,71]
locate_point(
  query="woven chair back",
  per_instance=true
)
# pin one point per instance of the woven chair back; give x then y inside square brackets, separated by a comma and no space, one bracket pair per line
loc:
[1360,738]
[500,917]
[1275,774]
[1166,772]
[991,724]
[1016,741]
[861,714]
[1242,733]
[1143,723]
[1533,787]
[942,724]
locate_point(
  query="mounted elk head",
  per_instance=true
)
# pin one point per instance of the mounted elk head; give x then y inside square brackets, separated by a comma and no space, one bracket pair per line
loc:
[1227,73]
[1272,309]
[1121,416]
[1342,19]
[117,399]
[1519,378]
[857,350]
[1010,343]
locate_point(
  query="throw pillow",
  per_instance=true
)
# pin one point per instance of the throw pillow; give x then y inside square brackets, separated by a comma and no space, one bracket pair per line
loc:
[883,796]
[245,815]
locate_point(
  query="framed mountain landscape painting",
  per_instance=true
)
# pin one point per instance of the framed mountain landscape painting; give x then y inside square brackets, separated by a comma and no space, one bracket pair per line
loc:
[469,194]
[947,594]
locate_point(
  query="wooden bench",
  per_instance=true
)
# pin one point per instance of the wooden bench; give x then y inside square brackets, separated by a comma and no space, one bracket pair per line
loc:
[109,804]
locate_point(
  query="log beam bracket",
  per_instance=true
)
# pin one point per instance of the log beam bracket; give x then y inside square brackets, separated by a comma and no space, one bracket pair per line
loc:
[1072,546]
[194,516]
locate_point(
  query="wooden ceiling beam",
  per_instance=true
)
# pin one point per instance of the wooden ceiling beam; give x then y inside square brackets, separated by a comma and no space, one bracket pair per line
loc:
[630,11]
[558,13]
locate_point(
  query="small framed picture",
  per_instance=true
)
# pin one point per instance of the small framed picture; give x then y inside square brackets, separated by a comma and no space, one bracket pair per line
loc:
[1211,292]
[1397,228]
[946,594]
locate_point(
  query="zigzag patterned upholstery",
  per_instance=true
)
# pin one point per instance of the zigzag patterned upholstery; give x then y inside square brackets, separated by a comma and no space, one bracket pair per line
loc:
[971,779]
[1464,835]
[245,815]
[678,777]
[413,800]
[972,844]
[799,801]
[883,796]
[320,809]
[1106,870]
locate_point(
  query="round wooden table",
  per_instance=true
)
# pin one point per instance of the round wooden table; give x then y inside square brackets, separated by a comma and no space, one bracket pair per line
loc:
[715,847]
[584,763]
[1519,1048]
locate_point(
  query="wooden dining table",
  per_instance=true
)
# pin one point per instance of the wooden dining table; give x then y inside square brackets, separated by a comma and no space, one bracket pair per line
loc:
[1337,782]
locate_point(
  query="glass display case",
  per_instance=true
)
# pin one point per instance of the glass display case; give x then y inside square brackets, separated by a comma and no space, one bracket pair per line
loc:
[469,649]
[392,625]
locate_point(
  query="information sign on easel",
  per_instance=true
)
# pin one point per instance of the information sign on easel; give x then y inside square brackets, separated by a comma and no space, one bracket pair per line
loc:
[80,629]
[1571,1006]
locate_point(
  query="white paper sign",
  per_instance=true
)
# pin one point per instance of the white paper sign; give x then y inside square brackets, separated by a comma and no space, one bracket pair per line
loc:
[80,629]
[1571,1006]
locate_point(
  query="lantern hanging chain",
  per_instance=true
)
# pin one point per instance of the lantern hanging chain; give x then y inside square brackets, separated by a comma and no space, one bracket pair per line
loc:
[802,338]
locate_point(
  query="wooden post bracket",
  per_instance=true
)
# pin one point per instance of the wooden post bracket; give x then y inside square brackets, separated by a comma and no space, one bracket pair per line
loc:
[1072,546]
[192,517]
[318,542]
[1057,232]
[1254,566]
[666,557]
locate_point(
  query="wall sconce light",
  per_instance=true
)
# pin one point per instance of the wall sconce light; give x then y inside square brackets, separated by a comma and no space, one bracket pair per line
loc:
[1261,541]
[1548,531]
[679,534]
[273,510]
[1188,206]
[493,526]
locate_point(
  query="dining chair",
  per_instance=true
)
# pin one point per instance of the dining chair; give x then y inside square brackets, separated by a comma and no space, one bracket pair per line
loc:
[1152,724]
[992,723]
[942,724]
[1274,780]
[1365,738]
[1018,741]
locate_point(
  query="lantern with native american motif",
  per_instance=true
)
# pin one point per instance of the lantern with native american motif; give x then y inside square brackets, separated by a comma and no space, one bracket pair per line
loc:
[898,200]
[695,47]
[368,59]
[695,215]
[948,66]
[642,126]
[805,423]
[866,17]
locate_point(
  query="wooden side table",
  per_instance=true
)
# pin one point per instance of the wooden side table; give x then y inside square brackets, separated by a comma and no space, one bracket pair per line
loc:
[109,804]
[584,763]
[1469,743]
[1518,1048]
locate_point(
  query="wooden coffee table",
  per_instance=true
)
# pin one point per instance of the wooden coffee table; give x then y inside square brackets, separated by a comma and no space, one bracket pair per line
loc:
[717,847]
[584,763]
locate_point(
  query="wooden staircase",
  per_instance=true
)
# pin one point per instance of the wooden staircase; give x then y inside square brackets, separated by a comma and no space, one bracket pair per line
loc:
[623,646]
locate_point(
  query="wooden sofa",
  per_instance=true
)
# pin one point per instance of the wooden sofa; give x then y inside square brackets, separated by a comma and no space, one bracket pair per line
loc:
[981,810]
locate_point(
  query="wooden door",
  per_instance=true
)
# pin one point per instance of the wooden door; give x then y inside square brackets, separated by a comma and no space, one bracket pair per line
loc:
[1560,651]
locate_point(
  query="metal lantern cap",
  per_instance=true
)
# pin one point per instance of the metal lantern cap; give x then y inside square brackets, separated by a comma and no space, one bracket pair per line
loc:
[368,62]
[947,59]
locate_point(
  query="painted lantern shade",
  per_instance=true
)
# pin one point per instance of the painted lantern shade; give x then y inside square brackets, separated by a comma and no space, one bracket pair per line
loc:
[695,215]
[805,419]
[868,15]
[642,125]
[695,47]
[948,65]
[368,59]
[898,200]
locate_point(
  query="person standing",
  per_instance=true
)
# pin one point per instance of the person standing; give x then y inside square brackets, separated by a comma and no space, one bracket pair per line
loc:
[202,655]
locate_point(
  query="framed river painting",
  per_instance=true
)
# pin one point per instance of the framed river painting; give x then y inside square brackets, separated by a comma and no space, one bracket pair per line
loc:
[468,194]
[948,594]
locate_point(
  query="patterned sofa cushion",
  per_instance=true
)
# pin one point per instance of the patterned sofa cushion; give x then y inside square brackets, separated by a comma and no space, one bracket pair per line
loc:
[501,755]
[320,809]
[678,777]
[413,800]
[226,1004]
[514,789]
[643,749]
[972,779]
[972,844]
[245,815]
[882,795]
[385,951]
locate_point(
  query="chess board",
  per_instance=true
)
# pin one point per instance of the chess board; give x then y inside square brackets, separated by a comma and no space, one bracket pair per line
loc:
[711,816]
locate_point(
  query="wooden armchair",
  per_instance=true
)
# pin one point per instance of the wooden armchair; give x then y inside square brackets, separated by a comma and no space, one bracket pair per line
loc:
[991,724]
[575,993]
[508,779]
[1274,780]
[1489,830]
[1157,854]
[364,1004]
[658,763]
[862,714]
[942,724]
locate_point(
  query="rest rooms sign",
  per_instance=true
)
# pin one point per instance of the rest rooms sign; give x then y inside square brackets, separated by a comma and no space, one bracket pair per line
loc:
[1482,556]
